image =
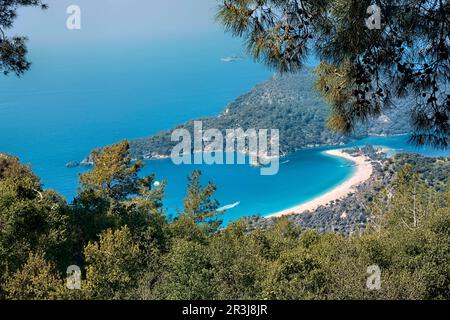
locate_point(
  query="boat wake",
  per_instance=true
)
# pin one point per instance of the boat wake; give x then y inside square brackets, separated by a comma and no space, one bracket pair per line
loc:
[228,207]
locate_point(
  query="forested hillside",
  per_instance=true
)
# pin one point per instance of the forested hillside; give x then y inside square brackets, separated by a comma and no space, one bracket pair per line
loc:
[117,232]
[288,103]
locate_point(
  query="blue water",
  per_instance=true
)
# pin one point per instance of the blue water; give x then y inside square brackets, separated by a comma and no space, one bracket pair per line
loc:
[302,177]
[78,98]
[400,144]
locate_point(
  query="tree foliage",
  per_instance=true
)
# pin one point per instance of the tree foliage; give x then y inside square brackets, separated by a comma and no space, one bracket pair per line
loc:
[113,265]
[31,219]
[13,50]
[115,175]
[363,71]
[199,204]
[36,280]
[139,253]
[113,195]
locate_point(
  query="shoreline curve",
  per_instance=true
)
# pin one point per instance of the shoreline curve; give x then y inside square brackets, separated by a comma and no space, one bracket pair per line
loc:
[363,172]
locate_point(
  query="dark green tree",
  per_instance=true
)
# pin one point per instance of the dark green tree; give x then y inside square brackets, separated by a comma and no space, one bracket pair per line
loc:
[31,219]
[186,272]
[13,50]
[115,174]
[36,280]
[113,195]
[200,204]
[239,266]
[114,265]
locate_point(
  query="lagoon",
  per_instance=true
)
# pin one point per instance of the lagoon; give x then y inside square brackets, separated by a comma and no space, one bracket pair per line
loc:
[76,99]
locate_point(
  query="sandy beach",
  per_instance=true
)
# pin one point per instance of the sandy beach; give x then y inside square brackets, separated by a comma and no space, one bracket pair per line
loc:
[362,173]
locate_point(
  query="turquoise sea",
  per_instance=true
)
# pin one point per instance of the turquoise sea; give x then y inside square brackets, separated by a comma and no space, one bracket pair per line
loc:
[78,98]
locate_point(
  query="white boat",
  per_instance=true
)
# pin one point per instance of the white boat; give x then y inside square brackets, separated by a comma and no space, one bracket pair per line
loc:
[231,59]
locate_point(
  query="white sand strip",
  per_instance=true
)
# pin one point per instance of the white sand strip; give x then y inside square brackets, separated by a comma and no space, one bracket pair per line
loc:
[362,173]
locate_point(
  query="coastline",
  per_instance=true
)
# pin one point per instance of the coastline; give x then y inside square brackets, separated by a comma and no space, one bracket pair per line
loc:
[363,172]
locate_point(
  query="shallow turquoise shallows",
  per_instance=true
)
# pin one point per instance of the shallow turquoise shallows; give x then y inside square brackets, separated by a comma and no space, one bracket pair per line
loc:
[78,98]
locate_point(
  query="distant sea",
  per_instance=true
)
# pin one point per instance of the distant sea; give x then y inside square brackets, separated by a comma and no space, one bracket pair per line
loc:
[75,99]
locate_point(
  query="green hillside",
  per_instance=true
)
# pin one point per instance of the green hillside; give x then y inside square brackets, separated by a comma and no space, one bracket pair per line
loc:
[288,103]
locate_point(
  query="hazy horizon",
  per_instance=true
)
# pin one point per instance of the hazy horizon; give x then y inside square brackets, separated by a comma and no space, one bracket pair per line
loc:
[109,20]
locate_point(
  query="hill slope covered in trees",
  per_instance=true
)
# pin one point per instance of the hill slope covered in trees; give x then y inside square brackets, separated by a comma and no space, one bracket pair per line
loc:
[117,232]
[285,102]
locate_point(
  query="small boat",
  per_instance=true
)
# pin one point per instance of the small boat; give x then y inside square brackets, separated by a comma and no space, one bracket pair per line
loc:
[231,59]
